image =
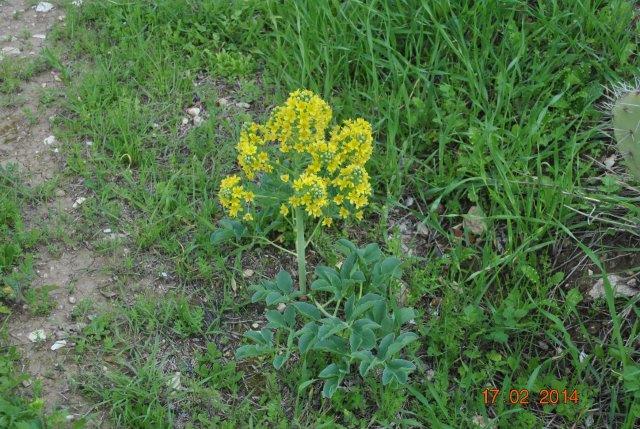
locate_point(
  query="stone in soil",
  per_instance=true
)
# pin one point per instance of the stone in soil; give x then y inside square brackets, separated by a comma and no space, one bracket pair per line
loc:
[11,50]
[44,7]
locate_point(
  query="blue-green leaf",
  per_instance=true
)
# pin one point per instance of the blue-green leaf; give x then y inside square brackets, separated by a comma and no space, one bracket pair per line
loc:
[306,384]
[400,342]
[330,371]
[330,387]
[284,282]
[390,266]
[308,310]
[397,369]
[280,360]
[276,319]
[404,315]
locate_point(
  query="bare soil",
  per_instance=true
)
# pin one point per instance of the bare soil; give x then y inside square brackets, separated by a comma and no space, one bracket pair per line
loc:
[77,273]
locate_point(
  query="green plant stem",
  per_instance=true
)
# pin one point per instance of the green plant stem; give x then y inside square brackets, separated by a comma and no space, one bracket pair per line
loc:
[267,241]
[301,247]
[335,310]
[313,232]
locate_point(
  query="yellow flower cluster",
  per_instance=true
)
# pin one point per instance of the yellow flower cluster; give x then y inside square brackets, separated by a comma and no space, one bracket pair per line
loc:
[234,197]
[310,192]
[302,119]
[251,158]
[325,177]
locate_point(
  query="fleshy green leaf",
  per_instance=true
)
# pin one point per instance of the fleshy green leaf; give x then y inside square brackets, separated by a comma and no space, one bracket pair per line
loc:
[274,298]
[348,308]
[321,285]
[284,282]
[330,371]
[371,253]
[330,387]
[330,326]
[308,310]
[397,369]
[403,315]
[259,295]
[280,360]
[400,342]
[347,266]
[346,247]
[276,319]
[251,350]
[390,266]
[306,384]
[385,342]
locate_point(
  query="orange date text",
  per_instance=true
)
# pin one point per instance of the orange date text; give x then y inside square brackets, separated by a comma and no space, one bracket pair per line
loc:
[522,396]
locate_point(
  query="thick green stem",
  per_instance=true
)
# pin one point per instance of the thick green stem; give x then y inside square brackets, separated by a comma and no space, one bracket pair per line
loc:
[301,246]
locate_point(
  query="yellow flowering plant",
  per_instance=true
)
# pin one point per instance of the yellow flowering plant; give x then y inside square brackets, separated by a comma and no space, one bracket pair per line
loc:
[298,166]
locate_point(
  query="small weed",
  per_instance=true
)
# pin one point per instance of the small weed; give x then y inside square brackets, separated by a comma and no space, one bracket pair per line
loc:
[39,301]
[14,71]
[82,309]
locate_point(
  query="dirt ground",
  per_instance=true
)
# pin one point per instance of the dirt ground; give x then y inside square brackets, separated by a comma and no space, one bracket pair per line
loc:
[76,272]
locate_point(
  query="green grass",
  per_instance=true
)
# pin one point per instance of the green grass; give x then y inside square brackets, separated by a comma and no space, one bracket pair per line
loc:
[15,71]
[16,241]
[489,104]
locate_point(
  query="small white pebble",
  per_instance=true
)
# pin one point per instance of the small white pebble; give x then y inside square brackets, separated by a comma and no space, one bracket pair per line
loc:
[255,325]
[193,111]
[79,201]
[50,140]
[107,230]
[58,345]
[39,36]
[164,275]
[430,374]
[281,307]
[185,121]
[44,7]
[10,50]
[72,300]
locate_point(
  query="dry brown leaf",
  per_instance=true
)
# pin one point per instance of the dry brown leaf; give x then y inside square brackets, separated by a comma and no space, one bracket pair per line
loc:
[621,287]
[474,221]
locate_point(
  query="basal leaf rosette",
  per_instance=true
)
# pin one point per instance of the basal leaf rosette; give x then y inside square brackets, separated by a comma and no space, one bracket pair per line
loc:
[326,178]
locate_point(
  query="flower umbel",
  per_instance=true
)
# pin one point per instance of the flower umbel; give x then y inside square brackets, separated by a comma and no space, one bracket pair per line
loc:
[326,177]
[233,196]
